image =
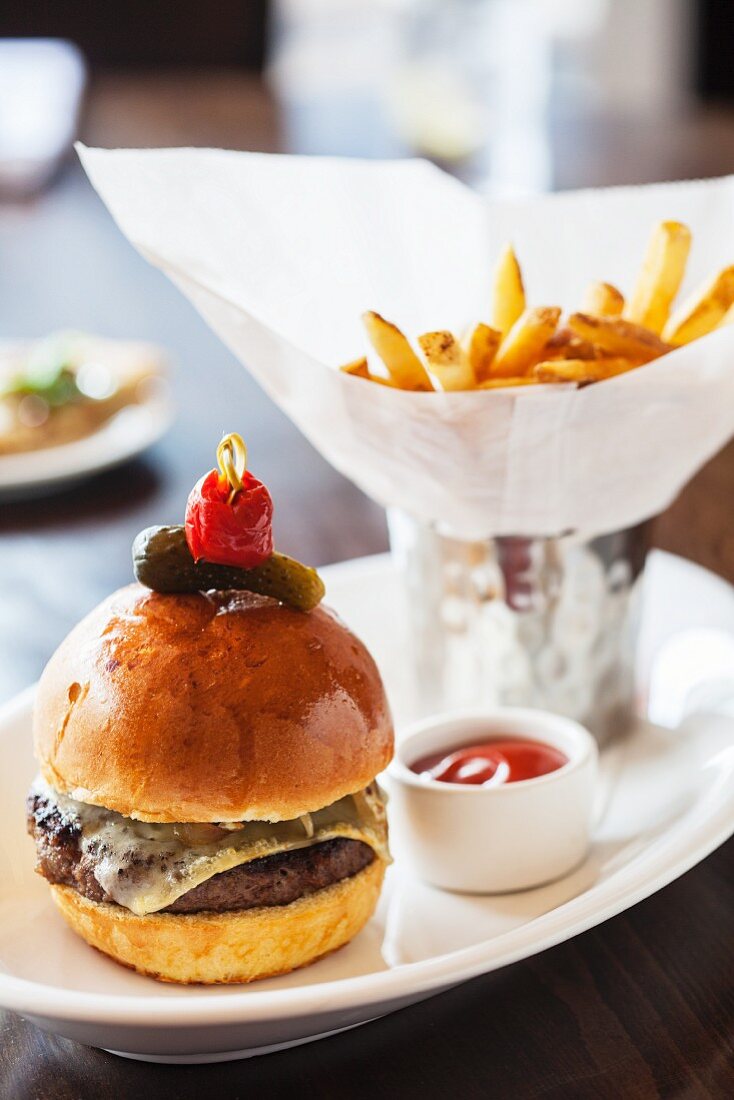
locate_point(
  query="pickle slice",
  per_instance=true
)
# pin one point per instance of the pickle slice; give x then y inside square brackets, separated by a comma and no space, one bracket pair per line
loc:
[162,561]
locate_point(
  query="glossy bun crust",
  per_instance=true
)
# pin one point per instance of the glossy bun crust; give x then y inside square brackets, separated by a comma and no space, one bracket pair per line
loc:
[238,946]
[216,707]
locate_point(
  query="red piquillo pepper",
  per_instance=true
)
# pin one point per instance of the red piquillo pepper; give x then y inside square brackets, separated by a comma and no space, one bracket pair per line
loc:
[229,512]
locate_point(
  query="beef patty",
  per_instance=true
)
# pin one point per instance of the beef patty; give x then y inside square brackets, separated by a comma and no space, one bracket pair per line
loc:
[269,881]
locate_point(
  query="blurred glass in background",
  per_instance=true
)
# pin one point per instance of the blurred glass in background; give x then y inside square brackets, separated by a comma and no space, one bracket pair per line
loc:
[475,85]
[41,86]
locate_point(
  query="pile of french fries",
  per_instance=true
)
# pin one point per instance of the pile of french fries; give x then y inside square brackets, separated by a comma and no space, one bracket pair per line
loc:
[525,346]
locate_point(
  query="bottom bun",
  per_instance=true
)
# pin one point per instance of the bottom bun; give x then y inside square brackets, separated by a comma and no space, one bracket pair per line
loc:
[232,947]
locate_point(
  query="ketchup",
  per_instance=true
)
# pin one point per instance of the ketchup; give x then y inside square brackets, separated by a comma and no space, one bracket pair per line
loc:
[492,763]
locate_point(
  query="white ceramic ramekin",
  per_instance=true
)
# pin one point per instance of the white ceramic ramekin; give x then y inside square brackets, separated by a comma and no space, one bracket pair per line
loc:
[489,840]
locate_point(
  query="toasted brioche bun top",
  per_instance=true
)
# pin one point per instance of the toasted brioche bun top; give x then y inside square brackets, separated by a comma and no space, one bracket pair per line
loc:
[217,707]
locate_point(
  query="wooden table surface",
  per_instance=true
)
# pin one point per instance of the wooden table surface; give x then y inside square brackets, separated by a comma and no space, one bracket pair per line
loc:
[642,1006]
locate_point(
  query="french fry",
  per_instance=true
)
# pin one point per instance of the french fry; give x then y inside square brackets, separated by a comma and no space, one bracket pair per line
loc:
[582,370]
[662,273]
[358,368]
[447,360]
[703,311]
[507,383]
[618,337]
[526,346]
[565,344]
[403,365]
[480,345]
[603,300]
[508,293]
[524,343]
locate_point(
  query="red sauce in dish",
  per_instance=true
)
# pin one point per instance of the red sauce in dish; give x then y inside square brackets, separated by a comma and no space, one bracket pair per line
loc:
[492,763]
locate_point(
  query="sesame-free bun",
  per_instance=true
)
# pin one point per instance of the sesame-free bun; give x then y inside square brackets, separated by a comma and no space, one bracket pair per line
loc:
[238,946]
[216,707]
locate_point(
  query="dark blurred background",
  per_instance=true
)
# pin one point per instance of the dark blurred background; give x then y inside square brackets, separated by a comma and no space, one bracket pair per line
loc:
[513,96]
[140,33]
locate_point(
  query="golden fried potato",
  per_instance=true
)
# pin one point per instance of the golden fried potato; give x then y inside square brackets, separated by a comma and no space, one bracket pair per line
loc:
[582,371]
[480,346]
[603,300]
[358,367]
[507,383]
[523,346]
[618,337]
[403,365]
[447,360]
[662,273]
[703,311]
[565,344]
[508,293]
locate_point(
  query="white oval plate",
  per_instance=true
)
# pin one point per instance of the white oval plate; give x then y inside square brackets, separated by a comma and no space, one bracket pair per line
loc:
[667,800]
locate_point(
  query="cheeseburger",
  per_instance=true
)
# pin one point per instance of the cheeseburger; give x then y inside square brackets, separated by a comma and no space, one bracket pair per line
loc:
[206,809]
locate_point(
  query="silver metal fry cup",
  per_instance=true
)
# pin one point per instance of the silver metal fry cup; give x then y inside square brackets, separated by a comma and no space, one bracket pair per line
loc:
[547,622]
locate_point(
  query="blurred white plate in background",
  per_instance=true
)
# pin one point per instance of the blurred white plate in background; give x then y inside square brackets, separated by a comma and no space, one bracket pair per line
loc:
[124,435]
[127,434]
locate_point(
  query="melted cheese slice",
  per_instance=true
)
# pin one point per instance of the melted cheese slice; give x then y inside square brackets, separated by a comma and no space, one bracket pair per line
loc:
[146,866]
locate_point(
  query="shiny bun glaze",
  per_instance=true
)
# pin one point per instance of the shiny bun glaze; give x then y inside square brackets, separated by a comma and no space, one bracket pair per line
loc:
[210,707]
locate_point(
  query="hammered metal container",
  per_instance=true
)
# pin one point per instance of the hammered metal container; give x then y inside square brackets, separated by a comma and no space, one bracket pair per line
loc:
[542,622]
